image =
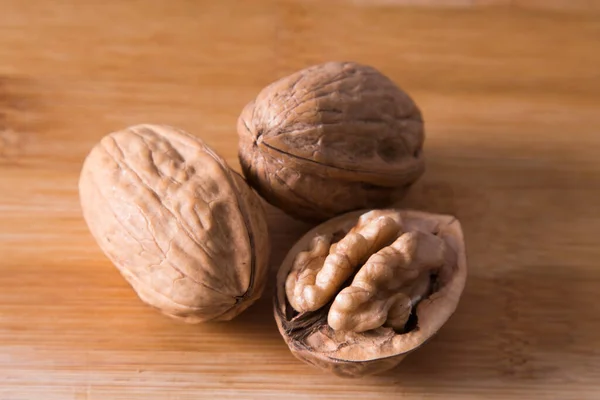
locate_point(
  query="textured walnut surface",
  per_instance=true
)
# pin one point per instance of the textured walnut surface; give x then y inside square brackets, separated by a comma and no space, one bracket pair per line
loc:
[340,115]
[331,138]
[183,229]
[386,301]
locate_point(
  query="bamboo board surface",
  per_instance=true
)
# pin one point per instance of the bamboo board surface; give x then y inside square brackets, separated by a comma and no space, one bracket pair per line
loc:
[510,93]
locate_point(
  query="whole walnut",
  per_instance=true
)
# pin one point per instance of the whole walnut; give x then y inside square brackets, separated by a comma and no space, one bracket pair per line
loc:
[331,138]
[186,232]
[360,291]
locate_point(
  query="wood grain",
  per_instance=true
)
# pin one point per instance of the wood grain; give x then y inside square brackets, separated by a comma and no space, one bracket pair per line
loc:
[510,95]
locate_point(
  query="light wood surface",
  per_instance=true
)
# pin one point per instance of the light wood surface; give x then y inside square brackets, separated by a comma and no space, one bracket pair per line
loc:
[510,92]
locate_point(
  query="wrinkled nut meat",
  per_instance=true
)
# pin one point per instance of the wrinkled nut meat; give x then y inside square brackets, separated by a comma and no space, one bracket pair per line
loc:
[331,138]
[185,231]
[359,291]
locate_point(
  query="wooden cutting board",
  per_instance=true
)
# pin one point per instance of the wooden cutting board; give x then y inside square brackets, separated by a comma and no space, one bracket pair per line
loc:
[510,94]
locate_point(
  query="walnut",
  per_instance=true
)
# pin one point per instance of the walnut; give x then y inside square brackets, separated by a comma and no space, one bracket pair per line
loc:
[360,291]
[329,139]
[186,232]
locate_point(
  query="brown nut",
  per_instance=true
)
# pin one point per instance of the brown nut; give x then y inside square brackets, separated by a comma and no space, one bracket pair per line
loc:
[358,292]
[331,138]
[186,232]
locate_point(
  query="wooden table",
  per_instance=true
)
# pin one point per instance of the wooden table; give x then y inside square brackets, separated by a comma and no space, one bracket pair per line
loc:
[510,92]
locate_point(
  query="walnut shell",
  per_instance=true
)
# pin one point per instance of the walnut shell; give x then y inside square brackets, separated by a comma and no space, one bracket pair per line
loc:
[187,233]
[354,353]
[331,138]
